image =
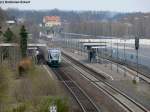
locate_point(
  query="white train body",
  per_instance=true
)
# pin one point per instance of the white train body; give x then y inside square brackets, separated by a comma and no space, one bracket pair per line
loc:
[54,56]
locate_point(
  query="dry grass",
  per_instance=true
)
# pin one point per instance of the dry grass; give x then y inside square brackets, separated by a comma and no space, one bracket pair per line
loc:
[6,77]
[28,93]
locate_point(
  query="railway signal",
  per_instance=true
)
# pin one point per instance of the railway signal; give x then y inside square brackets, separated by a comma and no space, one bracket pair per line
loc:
[136,43]
[136,48]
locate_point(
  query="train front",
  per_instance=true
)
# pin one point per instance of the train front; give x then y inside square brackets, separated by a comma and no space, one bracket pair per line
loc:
[54,56]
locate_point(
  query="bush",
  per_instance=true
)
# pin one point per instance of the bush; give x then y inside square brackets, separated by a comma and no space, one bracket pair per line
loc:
[61,104]
[19,108]
[24,65]
[34,92]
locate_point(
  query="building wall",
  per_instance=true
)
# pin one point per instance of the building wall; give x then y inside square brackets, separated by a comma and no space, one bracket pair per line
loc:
[51,24]
[50,21]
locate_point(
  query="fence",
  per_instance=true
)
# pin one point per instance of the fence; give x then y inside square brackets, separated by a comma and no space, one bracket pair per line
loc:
[9,53]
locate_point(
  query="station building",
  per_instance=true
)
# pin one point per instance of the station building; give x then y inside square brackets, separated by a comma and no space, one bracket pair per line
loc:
[50,21]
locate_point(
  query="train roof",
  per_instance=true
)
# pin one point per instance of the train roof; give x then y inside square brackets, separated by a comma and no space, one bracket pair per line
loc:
[54,50]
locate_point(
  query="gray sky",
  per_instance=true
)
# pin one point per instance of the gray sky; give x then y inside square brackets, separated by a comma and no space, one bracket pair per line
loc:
[98,5]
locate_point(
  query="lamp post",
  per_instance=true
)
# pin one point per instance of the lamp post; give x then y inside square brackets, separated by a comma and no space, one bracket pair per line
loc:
[65,40]
[79,47]
[111,53]
[117,55]
[124,55]
[105,54]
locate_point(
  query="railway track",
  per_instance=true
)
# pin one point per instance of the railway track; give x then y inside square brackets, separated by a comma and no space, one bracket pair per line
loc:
[122,99]
[86,104]
[130,69]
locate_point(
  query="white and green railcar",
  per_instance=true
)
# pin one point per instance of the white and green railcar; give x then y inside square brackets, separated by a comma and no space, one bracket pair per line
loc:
[54,56]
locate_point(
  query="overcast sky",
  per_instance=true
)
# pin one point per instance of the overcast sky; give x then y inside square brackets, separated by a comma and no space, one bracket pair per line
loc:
[98,5]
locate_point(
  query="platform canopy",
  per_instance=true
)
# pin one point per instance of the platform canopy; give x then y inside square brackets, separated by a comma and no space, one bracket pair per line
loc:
[75,34]
[32,48]
[36,45]
[93,40]
[98,47]
[94,44]
[8,44]
[29,45]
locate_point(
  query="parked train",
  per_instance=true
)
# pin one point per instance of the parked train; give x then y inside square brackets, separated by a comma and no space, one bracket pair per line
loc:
[54,56]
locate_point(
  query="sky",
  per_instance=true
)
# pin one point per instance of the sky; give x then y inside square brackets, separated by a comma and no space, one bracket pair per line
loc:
[97,5]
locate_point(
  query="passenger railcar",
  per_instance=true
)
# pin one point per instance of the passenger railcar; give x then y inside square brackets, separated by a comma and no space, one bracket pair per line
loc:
[54,56]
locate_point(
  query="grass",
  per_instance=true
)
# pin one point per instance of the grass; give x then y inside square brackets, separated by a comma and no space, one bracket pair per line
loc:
[5,77]
[61,104]
[5,85]
[34,92]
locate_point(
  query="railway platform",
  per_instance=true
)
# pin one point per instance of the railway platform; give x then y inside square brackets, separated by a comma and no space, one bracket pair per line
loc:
[118,76]
[107,69]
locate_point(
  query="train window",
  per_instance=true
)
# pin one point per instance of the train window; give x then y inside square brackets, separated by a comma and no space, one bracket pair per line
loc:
[49,56]
[55,55]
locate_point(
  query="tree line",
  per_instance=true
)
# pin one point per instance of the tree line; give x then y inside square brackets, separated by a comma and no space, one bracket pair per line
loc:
[70,16]
[8,37]
[3,16]
[103,23]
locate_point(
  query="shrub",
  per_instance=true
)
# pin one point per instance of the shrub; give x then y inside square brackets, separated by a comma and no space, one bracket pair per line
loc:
[61,104]
[19,108]
[24,65]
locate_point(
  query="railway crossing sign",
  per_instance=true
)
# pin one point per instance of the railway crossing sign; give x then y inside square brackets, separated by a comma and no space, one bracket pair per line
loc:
[136,43]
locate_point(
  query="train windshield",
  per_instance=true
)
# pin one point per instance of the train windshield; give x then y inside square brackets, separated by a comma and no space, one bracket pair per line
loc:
[54,56]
